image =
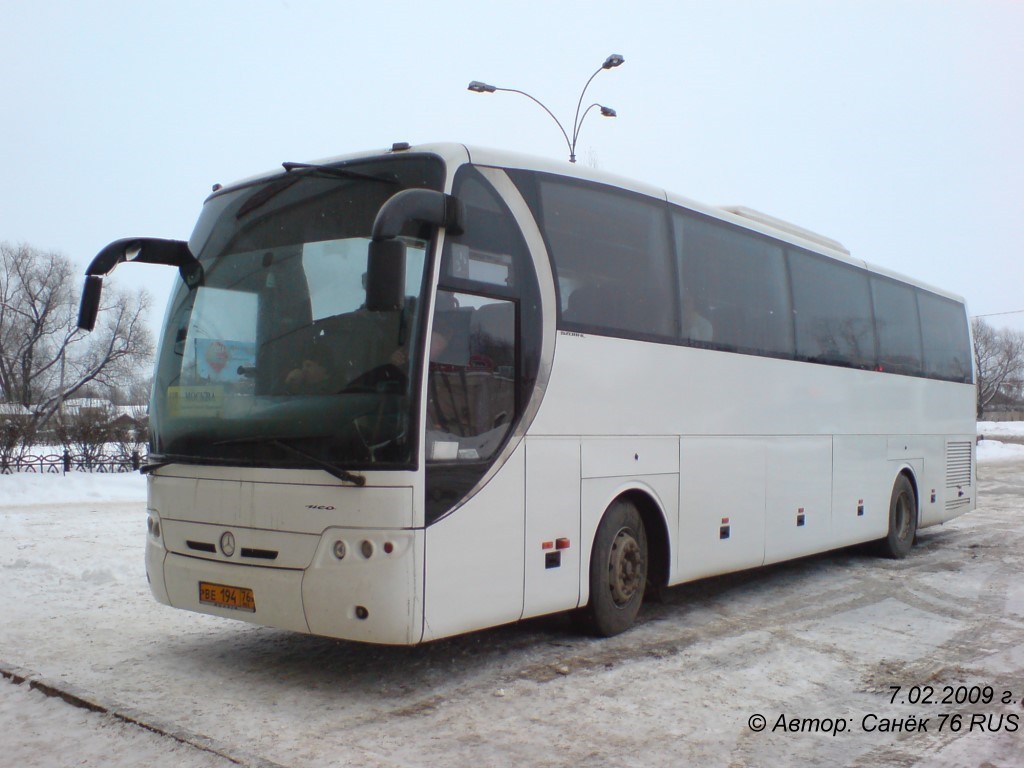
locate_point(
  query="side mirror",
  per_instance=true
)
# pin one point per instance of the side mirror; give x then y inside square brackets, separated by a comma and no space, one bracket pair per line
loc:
[385,269]
[385,275]
[148,250]
[90,305]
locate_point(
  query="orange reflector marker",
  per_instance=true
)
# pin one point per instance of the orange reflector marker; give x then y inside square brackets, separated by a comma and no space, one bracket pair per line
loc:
[725,521]
[548,545]
[561,543]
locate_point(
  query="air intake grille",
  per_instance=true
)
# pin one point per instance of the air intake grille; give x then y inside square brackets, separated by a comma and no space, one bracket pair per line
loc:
[958,465]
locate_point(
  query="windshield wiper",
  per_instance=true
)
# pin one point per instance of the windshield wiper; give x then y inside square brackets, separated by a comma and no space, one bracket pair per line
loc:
[297,171]
[152,466]
[265,195]
[338,172]
[332,469]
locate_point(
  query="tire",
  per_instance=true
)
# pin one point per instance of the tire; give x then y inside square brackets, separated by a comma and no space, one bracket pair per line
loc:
[902,521]
[618,570]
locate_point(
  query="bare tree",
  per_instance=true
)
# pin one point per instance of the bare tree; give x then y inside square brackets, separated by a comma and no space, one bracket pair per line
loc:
[86,431]
[44,357]
[998,360]
[129,431]
[17,436]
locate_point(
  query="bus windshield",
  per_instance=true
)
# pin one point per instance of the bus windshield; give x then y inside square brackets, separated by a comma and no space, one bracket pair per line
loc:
[274,359]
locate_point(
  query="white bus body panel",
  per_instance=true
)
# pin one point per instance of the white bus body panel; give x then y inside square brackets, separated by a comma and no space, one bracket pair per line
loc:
[798,458]
[474,558]
[640,388]
[300,501]
[374,599]
[721,509]
[861,490]
[284,535]
[552,572]
[798,496]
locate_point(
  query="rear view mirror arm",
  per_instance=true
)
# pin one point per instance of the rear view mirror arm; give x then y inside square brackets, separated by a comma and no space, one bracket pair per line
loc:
[147,250]
[424,205]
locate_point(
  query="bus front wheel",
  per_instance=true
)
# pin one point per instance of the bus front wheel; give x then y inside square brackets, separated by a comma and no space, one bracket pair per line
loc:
[902,521]
[618,570]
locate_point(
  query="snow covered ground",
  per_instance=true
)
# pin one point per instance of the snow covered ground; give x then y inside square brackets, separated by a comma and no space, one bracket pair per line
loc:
[1000,441]
[824,637]
[40,730]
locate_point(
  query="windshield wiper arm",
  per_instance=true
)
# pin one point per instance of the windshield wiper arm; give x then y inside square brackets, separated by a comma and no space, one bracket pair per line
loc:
[337,171]
[331,469]
[296,171]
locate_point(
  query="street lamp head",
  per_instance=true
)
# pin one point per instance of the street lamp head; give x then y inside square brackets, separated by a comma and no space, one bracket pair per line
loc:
[615,60]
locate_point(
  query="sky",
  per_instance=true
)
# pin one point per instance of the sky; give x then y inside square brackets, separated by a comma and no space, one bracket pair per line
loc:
[893,126]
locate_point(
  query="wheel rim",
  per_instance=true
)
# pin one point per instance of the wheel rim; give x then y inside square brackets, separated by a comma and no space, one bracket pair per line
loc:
[625,567]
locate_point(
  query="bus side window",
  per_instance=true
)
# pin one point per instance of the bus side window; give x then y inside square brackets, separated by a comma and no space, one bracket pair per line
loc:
[947,346]
[897,326]
[834,320]
[734,291]
[594,304]
[611,248]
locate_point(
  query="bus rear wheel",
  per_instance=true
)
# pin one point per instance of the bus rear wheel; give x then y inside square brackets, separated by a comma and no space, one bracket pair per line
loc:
[902,521]
[618,570]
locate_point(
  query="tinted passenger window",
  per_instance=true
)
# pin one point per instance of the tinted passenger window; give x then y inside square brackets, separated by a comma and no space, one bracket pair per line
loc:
[897,326]
[947,346]
[471,395]
[611,258]
[832,305]
[734,291]
[488,250]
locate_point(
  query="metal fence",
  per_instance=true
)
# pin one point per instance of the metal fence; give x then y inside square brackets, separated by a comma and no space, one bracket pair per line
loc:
[62,463]
[1004,414]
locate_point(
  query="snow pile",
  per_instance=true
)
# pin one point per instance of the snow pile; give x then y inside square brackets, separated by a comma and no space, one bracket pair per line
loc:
[992,449]
[989,429]
[31,488]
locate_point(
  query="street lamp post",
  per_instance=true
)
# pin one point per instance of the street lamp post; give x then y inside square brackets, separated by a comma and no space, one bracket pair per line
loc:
[611,62]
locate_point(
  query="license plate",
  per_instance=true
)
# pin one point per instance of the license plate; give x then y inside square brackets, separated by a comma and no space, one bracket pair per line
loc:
[223,596]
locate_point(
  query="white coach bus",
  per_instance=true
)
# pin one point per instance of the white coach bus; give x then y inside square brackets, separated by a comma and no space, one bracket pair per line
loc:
[414,393]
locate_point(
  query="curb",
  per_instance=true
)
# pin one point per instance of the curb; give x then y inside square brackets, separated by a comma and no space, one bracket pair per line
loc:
[78,698]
